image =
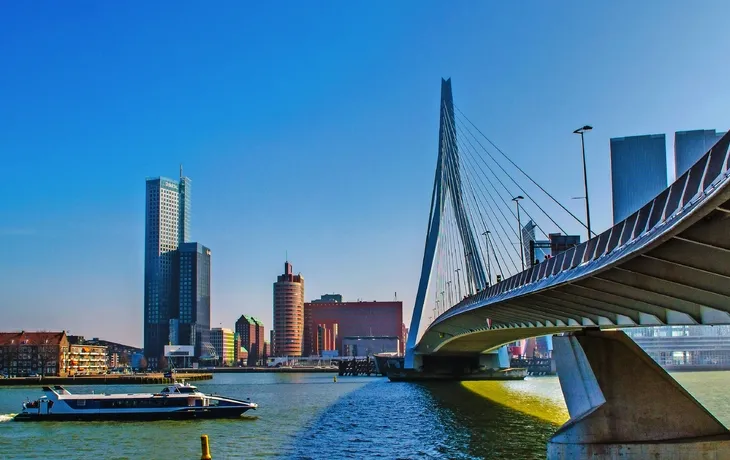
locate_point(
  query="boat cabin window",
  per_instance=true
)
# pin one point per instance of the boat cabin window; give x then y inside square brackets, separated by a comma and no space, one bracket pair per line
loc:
[187,389]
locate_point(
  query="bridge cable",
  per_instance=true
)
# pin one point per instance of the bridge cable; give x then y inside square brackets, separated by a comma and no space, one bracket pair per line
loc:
[506,247]
[522,171]
[475,154]
[471,281]
[447,233]
[487,197]
[506,189]
[486,227]
[459,249]
[515,182]
[485,194]
[498,254]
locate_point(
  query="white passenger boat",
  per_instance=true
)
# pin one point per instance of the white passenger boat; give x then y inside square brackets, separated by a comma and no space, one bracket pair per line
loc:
[178,401]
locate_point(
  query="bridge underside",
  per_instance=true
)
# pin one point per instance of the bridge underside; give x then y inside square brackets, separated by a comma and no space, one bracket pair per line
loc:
[667,264]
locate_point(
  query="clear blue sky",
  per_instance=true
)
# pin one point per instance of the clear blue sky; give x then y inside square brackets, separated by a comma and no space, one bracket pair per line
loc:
[307,127]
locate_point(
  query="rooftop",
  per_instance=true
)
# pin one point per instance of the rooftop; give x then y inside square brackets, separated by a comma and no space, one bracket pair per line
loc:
[31,338]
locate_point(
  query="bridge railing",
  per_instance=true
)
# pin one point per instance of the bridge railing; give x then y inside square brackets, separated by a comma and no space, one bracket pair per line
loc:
[707,174]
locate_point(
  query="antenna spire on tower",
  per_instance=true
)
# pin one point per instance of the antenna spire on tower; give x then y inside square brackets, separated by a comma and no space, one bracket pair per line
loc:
[181,171]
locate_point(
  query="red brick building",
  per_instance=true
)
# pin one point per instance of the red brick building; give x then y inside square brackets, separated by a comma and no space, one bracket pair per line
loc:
[25,353]
[288,314]
[327,322]
[253,335]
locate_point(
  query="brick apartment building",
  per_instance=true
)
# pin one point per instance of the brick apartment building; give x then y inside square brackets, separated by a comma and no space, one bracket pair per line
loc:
[27,353]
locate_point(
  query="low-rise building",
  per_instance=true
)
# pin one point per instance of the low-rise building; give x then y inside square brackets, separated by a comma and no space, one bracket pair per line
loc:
[369,345]
[29,353]
[223,341]
[86,360]
[117,355]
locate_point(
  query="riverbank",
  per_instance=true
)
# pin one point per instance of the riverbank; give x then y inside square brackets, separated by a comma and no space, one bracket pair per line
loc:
[262,370]
[109,379]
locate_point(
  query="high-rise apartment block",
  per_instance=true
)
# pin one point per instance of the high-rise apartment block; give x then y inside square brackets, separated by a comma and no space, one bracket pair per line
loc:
[638,172]
[288,313]
[253,336]
[689,146]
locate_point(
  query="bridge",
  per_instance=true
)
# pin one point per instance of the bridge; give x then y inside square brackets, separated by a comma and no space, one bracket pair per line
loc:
[666,264]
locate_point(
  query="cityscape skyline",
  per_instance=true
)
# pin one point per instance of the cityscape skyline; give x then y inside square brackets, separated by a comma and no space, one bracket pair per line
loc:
[305,154]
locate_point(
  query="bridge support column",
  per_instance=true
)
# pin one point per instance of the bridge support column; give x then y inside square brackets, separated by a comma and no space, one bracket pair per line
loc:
[624,405]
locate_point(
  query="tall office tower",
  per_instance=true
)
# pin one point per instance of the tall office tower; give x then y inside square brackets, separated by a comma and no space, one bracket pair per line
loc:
[167,224]
[638,172]
[190,297]
[689,146]
[288,313]
[528,236]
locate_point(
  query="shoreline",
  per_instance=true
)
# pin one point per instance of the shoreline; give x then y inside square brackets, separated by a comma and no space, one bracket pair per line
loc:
[260,370]
[108,379]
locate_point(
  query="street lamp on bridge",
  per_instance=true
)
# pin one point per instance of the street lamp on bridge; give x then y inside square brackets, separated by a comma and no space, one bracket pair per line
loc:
[458,284]
[519,229]
[585,175]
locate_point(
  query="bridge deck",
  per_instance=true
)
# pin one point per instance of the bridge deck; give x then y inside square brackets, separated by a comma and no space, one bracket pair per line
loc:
[668,263]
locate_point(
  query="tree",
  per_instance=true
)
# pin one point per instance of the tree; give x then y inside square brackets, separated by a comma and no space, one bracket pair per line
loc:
[124,359]
[163,363]
[143,363]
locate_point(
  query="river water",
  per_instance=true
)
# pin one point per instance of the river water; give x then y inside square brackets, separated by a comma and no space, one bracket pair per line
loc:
[308,416]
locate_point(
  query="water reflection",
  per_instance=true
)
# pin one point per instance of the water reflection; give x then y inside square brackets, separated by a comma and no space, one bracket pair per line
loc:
[434,420]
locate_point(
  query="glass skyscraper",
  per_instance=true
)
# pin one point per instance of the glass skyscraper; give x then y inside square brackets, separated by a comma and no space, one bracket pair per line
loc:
[191,294]
[638,172]
[167,225]
[689,146]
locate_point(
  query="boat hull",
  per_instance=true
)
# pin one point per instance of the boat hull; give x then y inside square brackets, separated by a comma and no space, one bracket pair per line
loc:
[185,414]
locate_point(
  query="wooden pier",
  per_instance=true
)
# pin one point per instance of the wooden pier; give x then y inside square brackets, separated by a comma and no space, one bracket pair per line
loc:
[356,367]
[535,365]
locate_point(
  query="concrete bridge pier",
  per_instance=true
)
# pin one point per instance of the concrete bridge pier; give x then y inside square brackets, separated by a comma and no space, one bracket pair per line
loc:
[624,405]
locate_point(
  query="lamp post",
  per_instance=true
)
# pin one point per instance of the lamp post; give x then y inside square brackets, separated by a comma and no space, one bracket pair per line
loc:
[519,229]
[585,175]
[489,269]
[458,283]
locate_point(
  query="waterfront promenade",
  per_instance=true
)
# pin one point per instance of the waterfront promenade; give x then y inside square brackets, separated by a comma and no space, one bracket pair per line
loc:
[260,370]
[108,379]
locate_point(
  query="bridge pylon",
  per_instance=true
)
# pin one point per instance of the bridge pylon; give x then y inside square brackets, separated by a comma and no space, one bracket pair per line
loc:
[622,404]
[447,186]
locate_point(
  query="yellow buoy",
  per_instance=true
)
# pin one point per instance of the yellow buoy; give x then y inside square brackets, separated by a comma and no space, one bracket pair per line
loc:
[204,448]
[334,379]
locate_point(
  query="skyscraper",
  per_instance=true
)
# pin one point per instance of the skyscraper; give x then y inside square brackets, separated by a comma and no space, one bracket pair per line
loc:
[638,172]
[167,224]
[190,299]
[689,146]
[288,313]
[528,236]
